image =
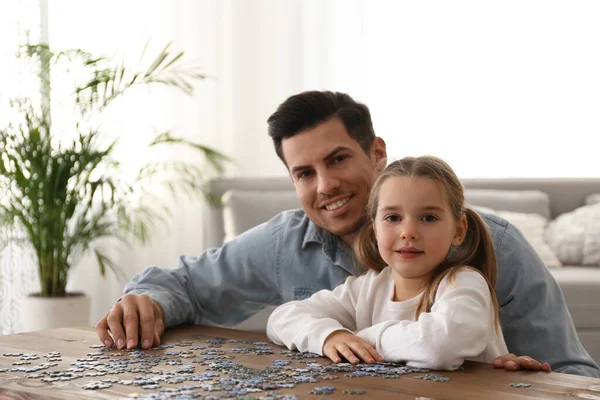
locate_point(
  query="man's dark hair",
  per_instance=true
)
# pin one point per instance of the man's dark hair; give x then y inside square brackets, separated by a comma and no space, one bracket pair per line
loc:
[306,110]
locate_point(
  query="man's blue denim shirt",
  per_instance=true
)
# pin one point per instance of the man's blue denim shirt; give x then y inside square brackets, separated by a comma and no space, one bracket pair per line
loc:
[290,258]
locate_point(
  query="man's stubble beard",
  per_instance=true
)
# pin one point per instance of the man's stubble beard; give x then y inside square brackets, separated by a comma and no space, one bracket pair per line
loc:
[353,230]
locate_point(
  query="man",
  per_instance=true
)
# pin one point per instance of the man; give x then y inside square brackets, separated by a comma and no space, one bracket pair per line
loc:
[327,142]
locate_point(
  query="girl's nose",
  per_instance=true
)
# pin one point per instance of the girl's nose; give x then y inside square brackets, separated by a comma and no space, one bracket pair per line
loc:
[409,231]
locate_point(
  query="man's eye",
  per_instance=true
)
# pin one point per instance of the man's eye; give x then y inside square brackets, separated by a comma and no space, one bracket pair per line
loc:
[429,218]
[304,174]
[340,158]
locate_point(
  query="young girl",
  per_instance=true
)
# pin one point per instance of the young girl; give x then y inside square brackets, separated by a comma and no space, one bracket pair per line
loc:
[428,298]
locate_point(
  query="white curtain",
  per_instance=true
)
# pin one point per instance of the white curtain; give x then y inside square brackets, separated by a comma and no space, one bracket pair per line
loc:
[19,20]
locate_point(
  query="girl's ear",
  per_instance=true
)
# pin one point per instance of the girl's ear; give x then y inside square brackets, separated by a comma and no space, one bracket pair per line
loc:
[461,231]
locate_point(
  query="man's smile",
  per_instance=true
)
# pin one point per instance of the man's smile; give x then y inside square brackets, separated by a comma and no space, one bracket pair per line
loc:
[336,204]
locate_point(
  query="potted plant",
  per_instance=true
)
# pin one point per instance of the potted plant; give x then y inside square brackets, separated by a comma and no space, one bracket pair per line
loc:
[62,197]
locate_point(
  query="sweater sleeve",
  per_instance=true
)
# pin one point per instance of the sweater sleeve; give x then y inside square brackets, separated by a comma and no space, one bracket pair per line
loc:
[224,286]
[304,325]
[457,327]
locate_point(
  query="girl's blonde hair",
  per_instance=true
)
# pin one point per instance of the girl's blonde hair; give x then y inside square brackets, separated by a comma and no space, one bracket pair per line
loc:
[476,251]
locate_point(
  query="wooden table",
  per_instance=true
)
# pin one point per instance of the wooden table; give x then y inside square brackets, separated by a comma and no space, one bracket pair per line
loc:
[476,381]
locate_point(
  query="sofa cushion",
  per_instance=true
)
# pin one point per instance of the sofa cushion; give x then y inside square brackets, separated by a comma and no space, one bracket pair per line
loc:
[244,209]
[533,227]
[592,199]
[575,236]
[580,286]
[521,201]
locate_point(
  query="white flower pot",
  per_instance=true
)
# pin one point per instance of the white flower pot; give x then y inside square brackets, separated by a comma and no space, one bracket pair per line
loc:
[39,313]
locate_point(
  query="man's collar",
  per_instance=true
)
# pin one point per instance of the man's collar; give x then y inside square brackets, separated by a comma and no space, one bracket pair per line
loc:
[334,247]
[322,236]
[313,233]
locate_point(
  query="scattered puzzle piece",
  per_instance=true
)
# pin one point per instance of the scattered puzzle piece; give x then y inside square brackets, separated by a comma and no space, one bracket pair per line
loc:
[323,390]
[434,378]
[520,385]
[348,391]
[95,385]
[164,374]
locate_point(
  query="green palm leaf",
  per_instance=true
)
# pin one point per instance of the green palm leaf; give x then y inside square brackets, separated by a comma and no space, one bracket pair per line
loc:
[62,198]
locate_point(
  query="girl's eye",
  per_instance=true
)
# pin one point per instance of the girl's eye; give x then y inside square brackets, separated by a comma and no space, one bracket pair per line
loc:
[429,218]
[392,218]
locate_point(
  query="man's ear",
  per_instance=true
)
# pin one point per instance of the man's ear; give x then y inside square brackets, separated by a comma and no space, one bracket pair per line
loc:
[378,154]
[461,231]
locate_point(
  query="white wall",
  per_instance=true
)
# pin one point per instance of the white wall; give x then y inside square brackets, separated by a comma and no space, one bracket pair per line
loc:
[497,88]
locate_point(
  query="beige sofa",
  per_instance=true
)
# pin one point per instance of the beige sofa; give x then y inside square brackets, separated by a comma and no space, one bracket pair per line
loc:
[529,203]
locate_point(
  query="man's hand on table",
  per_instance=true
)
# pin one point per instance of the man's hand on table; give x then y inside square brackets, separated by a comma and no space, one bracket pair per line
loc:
[135,317]
[511,362]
